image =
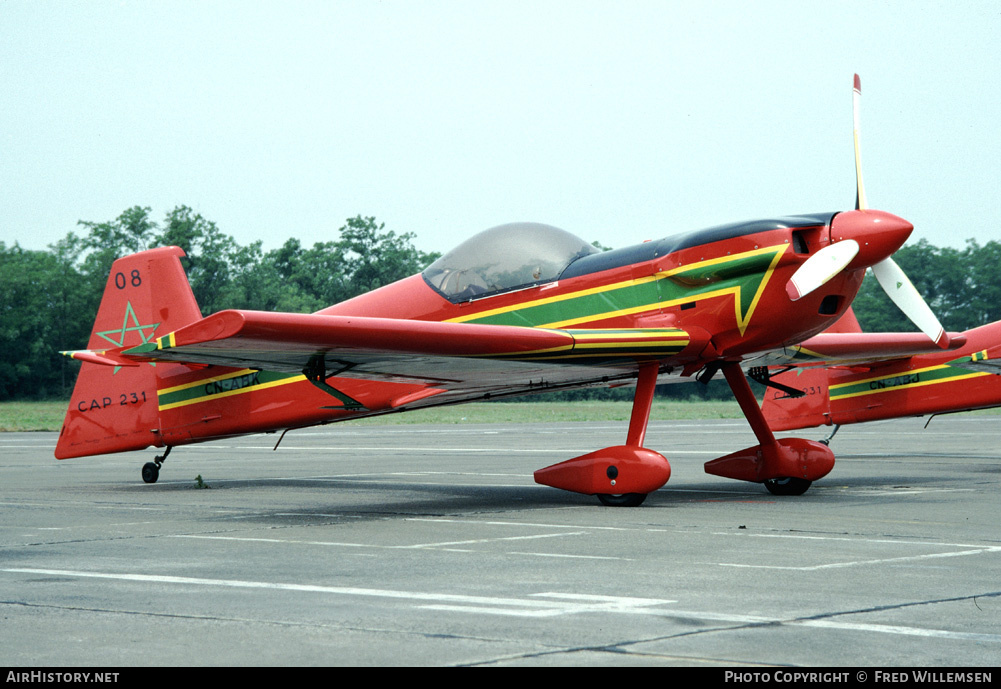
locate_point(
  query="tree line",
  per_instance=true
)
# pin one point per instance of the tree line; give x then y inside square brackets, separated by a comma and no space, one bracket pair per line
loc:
[48,298]
[962,286]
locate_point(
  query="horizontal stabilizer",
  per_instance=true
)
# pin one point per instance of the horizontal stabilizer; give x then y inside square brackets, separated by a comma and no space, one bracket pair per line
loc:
[101,358]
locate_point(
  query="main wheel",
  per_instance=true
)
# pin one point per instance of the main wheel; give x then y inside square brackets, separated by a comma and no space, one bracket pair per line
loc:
[151,472]
[624,500]
[787,486]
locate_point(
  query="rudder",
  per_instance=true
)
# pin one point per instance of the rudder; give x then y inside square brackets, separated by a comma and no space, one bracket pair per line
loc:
[785,413]
[114,408]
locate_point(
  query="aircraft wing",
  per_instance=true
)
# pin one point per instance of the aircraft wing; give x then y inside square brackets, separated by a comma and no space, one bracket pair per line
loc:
[451,356]
[925,383]
[850,349]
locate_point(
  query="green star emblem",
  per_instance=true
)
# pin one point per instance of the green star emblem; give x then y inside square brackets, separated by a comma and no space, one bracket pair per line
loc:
[130,323]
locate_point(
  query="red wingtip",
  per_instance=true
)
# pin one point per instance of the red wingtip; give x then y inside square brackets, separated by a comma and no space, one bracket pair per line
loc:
[858,84]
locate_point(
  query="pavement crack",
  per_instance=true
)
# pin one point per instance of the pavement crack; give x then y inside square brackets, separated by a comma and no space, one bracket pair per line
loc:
[253,621]
[895,606]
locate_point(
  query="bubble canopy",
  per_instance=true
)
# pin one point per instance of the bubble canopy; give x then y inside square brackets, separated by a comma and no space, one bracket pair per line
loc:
[505,258]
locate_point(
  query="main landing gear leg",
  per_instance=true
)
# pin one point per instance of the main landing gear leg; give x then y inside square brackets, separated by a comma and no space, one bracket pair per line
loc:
[623,475]
[787,466]
[151,470]
[646,384]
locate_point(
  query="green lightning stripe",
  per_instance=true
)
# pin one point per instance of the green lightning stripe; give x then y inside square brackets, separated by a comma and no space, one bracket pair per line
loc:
[606,344]
[744,276]
[226,385]
[629,342]
[920,377]
[626,336]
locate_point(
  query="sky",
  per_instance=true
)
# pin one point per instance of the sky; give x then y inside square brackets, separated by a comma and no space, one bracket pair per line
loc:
[618,121]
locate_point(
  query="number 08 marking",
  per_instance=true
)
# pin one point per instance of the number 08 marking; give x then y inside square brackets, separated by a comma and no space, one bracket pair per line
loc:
[135,279]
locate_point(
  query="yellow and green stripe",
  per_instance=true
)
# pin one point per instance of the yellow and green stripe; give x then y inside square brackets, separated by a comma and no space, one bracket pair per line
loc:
[221,386]
[744,276]
[908,380]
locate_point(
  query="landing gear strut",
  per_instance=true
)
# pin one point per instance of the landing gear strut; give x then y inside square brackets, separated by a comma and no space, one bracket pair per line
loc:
[646,384]
[786,466]
[151,470]
[623,475]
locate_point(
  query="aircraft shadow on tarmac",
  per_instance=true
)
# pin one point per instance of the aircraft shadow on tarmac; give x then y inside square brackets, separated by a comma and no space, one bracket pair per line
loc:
[362,496]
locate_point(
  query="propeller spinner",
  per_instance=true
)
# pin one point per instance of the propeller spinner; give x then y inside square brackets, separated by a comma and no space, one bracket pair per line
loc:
[867,238]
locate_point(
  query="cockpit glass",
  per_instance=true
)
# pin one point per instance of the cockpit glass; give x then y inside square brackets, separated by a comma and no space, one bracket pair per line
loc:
[505,258]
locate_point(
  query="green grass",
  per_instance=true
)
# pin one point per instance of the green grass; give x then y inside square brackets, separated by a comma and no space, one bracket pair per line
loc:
[544,412]
[32,416]
[48,416]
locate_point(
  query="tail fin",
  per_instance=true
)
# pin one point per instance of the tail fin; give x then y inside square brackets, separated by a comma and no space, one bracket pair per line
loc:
[114,408]
[784,412]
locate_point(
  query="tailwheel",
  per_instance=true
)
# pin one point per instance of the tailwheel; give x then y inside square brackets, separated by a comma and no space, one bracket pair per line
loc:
[151,470]
[623,500]
[787,486]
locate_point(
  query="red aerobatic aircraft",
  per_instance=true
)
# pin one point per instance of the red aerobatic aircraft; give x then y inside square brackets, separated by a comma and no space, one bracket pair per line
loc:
[517,309]
[938,383]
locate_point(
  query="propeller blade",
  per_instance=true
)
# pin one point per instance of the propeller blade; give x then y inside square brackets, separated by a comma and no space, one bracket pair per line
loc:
[860,202]
[888,274]
[907,298]
[821,267]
